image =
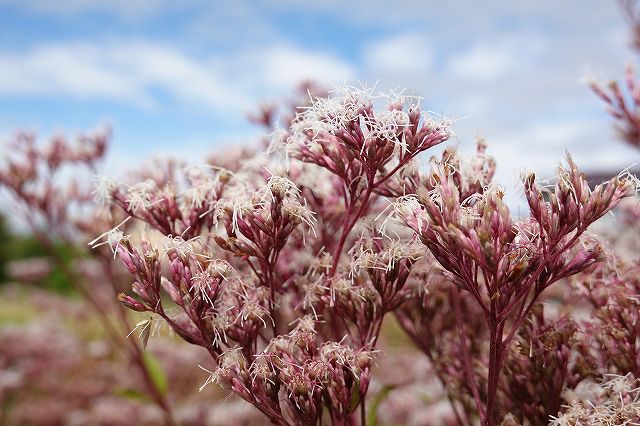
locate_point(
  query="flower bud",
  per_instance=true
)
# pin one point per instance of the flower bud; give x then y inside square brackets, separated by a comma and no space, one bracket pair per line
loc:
[131,303]
[141,291]
[172,290]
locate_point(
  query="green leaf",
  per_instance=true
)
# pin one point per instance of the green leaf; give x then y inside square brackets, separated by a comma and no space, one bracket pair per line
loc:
[157,374]
[132,394]
[372,415]
[355,395]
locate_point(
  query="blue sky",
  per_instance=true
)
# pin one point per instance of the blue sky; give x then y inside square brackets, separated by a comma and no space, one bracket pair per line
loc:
[178,78]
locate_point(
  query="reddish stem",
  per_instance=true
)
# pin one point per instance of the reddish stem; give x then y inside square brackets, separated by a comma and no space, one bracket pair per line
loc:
[349,222]
[495,360]
[466,360]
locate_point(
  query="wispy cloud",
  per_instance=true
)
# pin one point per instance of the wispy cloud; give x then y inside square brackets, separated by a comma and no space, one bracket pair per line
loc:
[483,63]
[285,66]
[69,70]
[399,54]
[132,72]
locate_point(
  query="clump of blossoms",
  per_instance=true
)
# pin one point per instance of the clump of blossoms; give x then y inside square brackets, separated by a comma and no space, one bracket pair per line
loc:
[623,100]
[617,403]
[610,342]
[623,103]
[541,367]
[505,264]
[288,301]
[285,267]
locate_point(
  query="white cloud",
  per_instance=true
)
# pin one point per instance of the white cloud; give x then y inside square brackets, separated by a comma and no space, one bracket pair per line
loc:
[483,62]
[132,72]
[539,147]
[184,78]
[285,66]
[556,136]
[72,70]
[400,53]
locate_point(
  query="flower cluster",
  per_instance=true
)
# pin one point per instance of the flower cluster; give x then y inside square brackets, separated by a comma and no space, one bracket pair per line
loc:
[505,264]
[246,254]
[623,100]
[284,266]
[286,279]
[618,403]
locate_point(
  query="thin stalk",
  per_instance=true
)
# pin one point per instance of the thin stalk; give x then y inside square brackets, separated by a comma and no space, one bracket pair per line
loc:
[466,360]
[495,361]
[350,220]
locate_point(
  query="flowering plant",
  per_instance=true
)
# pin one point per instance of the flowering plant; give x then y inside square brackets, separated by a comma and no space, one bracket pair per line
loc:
[285,278]
[285,263]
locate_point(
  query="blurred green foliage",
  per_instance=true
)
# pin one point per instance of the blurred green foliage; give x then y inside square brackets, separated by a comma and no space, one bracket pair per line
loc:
[19,246]
[156,372]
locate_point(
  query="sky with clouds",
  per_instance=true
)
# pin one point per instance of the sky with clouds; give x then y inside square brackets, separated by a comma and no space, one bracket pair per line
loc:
[178,78]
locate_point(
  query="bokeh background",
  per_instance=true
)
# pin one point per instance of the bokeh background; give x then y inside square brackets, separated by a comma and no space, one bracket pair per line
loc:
[178,78]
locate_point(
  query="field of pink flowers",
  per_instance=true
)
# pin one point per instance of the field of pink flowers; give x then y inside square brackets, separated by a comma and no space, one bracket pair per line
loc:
[349,269]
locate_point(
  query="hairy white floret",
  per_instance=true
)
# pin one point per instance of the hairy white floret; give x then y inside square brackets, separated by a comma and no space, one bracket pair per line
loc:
[113,238]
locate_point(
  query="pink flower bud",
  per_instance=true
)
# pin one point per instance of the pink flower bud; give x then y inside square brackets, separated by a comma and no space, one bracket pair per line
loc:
[131,303]
[172,290]
[141,291]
